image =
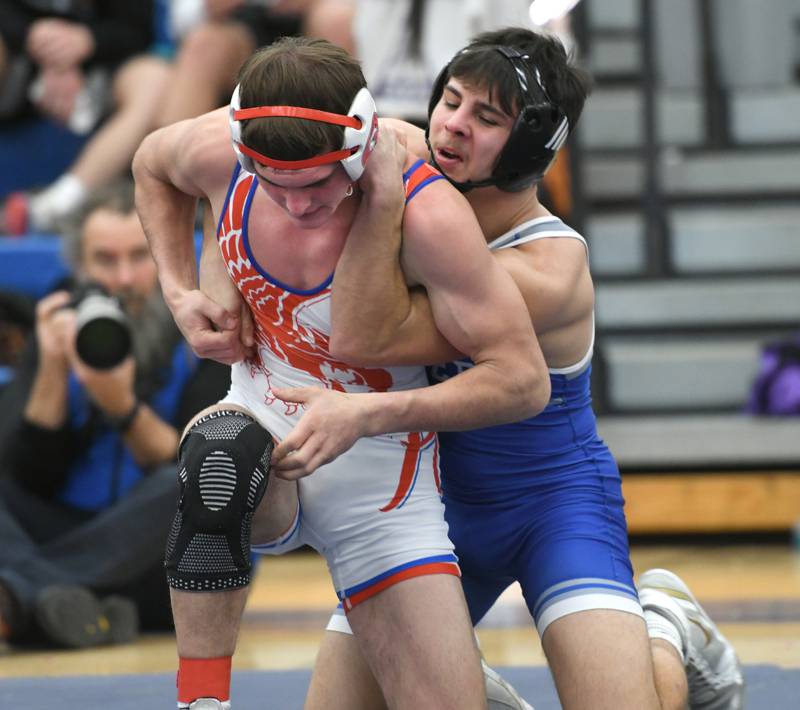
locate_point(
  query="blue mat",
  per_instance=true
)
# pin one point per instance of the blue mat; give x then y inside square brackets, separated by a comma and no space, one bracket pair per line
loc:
[768,688]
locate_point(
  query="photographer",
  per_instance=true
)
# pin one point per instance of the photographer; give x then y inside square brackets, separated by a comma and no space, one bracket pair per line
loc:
[89,486]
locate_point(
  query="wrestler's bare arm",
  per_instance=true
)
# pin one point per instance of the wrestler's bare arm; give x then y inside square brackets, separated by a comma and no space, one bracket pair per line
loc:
[475,304]
[167,190]
[398,327]
[374,239]
[413,136]
[173,168]
[479,311]
[216,283]
[477,307]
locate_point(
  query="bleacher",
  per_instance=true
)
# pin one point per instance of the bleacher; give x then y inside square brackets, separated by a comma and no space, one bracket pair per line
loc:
[689,164]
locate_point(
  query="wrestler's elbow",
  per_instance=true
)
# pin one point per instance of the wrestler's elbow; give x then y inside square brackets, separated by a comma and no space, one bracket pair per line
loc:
[530,388]
[347,349]
[540,391]
[365,348]
[140,157]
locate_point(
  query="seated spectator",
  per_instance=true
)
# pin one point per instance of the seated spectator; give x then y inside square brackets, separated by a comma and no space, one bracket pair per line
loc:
[214,38]
[416,39]
[88,485]
[74,61]
[16,323]
[403,44]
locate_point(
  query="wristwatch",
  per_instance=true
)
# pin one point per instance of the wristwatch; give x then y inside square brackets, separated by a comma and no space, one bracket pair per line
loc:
[122,423]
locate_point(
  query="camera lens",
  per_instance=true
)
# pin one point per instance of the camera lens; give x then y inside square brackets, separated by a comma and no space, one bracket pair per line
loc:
[103,337]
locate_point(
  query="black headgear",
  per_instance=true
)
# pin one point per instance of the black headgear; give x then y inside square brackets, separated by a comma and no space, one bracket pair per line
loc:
[538,132]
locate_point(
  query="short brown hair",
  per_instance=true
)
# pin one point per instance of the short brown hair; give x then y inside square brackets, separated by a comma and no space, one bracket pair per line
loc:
[303,72]
[481,65]
[117,196]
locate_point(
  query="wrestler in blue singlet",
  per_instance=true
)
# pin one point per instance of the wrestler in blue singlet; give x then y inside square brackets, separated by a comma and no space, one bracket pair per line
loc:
[539,501]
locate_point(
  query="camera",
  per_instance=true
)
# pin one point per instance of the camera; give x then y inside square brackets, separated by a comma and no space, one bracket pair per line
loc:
[103,334]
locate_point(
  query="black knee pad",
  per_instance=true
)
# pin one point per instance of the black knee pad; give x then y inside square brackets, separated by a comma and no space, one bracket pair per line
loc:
[223,467]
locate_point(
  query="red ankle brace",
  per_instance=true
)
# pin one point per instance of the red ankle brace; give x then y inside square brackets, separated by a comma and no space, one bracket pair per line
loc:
[204,678]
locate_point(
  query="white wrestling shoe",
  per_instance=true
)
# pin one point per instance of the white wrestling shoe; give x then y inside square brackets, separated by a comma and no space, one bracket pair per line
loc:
[207,704]
[500,693]
[712,668]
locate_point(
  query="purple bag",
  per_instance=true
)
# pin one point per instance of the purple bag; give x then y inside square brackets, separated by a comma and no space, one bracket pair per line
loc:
[776,390]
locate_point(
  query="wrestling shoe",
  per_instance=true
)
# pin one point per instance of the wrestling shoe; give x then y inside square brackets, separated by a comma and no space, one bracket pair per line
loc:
[500,693]
[712,668]
[207,704]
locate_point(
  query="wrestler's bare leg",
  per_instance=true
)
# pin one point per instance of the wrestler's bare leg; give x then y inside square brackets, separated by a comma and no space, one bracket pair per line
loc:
[417,640]
[342,679]
[601,660]
[207,623]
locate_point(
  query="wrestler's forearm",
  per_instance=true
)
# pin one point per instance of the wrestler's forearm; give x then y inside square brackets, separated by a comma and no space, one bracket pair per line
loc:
[376,319]
[215,281]
[369,297]
[167,216]
[485,395]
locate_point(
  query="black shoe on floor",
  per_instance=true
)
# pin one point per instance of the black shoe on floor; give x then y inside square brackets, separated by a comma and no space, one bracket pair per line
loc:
[73,617]
[123,618]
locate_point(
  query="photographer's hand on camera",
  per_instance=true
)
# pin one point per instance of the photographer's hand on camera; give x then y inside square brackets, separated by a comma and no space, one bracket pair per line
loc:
[110,389]
[55,329]
[150,439]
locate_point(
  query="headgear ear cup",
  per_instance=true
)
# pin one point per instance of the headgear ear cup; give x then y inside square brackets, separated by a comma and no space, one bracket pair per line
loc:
[538,132]
[236,134]
[364,138]
[360,134]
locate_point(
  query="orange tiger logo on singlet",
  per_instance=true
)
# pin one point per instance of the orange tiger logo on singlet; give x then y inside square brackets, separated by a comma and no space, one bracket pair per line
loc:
[293,329]
[286,324]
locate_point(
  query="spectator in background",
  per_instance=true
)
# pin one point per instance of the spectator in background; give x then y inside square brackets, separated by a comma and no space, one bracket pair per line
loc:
[403,44]
[89,487]
[16,323]
[73,61]
[417,38]
[215,37]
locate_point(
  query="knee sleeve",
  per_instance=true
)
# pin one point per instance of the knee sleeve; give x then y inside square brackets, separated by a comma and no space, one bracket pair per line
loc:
[223,467]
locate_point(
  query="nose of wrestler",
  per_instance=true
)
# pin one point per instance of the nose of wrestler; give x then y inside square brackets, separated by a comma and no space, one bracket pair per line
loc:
[298,202]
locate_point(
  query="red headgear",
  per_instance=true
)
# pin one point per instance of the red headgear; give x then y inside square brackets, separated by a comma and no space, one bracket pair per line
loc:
[360,134]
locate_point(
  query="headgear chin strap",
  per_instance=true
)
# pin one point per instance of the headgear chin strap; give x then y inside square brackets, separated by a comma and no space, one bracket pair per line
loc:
[360,134]
[539,130]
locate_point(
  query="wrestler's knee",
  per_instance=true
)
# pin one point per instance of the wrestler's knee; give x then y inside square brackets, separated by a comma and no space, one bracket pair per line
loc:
[224,461]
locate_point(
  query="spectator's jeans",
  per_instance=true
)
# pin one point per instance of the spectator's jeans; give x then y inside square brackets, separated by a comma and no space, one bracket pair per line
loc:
[118,550]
